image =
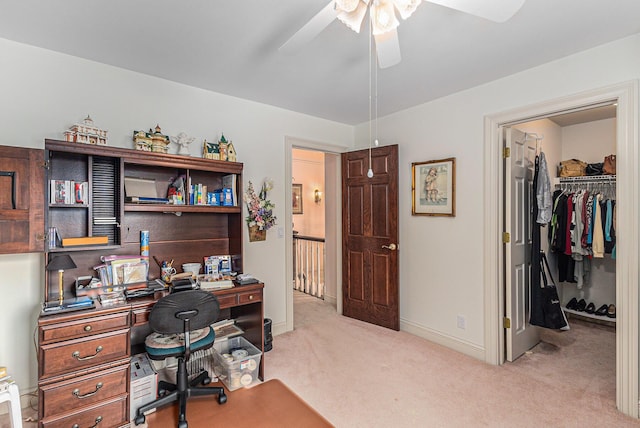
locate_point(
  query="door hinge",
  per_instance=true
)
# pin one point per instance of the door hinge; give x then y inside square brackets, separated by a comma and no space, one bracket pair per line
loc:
[506,152]
[506,322]
[506,237]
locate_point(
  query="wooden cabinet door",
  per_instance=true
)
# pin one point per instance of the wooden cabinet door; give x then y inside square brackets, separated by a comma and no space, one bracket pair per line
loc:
[21,200]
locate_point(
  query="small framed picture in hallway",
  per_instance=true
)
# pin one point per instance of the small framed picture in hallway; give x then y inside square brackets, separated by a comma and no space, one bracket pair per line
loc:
[296,193]
[433,187]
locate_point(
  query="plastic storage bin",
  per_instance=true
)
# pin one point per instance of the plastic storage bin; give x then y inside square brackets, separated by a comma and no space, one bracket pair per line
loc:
[236,362]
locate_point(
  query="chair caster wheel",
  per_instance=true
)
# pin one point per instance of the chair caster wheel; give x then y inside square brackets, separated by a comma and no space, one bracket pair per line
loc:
[222,398]
[139,420]
[183,424]
[206,380]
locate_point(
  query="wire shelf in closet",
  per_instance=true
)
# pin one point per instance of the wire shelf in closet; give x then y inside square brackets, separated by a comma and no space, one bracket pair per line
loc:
[605,184]
[589,179]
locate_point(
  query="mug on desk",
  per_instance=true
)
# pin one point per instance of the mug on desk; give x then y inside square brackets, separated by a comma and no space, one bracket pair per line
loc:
[167,273]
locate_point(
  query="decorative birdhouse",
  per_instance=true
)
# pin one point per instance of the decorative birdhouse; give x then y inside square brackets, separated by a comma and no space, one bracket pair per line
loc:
[231,152]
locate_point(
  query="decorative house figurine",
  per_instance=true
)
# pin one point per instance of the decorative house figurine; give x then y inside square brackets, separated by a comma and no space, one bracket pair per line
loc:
[210,150]
[142,140]
[222,145]
[182,140]
[87,133]
[227,151]
[159,141]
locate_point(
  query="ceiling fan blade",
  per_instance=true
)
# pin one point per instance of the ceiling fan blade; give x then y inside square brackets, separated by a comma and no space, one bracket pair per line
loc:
[388,48]
[311,29]
[493,10]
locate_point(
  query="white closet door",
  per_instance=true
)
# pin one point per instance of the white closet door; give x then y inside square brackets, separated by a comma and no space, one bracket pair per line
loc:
[519,170]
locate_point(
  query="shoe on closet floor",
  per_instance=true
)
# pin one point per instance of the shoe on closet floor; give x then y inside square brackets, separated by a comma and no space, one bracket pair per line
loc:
[573,304]
[591,308]
[611,311]
[602,310]
[582,305]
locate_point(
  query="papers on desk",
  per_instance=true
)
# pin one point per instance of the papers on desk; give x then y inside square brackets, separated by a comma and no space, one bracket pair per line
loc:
[74,304]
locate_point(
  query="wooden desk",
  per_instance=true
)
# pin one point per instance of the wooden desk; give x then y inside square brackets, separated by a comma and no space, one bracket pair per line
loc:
[84,357]
[267,405]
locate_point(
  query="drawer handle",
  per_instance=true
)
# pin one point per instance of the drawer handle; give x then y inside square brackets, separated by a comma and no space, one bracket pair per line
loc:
[76,392]
[77,356]
[251,297]
[98,420]
[87,328]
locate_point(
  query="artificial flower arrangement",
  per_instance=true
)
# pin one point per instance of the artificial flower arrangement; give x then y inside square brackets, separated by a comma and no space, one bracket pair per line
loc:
[260,208]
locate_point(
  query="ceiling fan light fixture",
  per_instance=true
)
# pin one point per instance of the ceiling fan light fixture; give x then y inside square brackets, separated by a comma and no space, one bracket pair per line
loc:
[353,19]
[383,17]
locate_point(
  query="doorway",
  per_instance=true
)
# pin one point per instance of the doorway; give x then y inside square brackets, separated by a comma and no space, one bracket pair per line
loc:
[626,98]
[311,154]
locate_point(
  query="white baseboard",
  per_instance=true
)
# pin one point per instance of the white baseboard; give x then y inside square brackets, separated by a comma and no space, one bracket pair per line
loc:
[461,346]
[278,328]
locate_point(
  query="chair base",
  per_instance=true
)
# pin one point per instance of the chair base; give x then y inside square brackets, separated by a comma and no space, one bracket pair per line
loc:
[180,393]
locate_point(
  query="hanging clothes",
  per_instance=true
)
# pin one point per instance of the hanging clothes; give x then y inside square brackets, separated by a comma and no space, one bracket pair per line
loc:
[545,305]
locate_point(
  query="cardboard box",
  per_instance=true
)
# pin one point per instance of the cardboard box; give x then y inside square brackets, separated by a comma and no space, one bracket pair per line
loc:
[144,383]
[236,362]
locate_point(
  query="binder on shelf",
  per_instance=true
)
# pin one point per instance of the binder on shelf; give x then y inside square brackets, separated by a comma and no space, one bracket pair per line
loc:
[85,240]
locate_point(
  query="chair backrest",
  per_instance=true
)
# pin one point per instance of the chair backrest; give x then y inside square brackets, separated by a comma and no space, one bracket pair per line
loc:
[198,308]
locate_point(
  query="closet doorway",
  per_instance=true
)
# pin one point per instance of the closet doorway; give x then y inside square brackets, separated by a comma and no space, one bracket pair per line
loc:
[588,135]
[625,97]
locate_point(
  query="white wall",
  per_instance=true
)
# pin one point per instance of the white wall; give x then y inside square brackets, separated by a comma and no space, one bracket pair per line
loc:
[441,268]
[43,93]
[590,142]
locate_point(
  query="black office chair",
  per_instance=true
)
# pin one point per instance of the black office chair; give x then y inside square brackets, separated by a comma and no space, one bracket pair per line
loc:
[185,313]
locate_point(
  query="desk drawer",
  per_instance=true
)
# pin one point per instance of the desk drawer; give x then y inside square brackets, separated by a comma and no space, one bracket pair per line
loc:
[110,414]
[84,327]
[63,357]
[250,297]
[227,301]
[65,396]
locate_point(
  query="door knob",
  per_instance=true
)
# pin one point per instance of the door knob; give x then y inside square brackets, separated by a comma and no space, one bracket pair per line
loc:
[391,247]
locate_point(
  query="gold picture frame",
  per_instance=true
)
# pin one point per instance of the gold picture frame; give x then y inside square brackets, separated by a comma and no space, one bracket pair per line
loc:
[433,188]
[296,196]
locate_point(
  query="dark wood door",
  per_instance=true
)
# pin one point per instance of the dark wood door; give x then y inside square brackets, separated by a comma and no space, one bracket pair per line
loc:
[370,236]
[21,200]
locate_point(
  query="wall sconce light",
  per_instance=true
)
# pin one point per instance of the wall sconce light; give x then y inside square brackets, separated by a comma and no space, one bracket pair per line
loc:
[61,263]
[317,196]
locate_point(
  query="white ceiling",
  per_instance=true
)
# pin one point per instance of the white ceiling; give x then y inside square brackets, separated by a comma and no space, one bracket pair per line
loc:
[231,46]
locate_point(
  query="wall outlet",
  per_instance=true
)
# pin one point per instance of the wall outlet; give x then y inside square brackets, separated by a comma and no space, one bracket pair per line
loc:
[462,322]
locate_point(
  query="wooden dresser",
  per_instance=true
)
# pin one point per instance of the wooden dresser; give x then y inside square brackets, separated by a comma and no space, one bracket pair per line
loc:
[84,368]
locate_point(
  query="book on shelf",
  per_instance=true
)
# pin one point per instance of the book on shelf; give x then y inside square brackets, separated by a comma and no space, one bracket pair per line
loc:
[229,181]
[145,200]
[53,238]
[68,192]
[85,240]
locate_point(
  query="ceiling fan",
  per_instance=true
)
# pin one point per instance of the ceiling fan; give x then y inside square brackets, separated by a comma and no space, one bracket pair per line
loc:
[384,23]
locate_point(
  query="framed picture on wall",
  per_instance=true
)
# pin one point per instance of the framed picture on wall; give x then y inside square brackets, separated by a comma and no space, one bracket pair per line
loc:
[296,193]
[433,187]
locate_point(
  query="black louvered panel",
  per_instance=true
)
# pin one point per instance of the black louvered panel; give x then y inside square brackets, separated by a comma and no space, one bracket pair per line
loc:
[106,198]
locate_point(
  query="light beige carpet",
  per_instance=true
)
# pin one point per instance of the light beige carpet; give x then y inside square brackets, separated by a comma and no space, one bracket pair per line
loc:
[360,375]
